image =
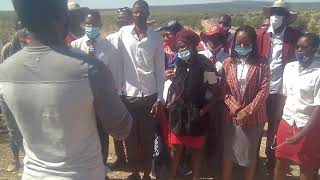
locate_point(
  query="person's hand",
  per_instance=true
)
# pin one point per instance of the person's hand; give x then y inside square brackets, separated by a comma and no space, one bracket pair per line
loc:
[156,108]
[295,139]
[241,116]
[169,72]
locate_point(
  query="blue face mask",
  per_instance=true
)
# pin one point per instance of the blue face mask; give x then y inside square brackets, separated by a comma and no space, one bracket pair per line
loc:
[184,55]
[243,51]
[92,32]
[301,57]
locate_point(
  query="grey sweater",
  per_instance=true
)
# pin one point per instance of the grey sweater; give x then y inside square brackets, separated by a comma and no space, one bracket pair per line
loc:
[54,95]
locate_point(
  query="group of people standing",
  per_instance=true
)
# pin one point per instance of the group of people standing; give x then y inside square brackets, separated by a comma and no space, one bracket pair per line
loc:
[211,94]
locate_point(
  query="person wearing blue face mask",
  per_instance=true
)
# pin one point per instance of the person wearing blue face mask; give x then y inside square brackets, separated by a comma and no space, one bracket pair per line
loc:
[93,44]
[186,103]
[298,132]
[245,87]
[277,45]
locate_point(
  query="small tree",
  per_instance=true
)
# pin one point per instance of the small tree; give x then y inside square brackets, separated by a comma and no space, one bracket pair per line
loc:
[301,23]
[238,21]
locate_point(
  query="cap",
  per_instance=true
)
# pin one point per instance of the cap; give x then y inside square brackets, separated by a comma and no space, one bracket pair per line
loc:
[172,26]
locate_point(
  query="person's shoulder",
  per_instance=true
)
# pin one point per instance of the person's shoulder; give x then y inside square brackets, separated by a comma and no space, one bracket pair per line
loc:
[291,65]
[261,31]
[317,65]
[112,36]
[154,33]
[74,53]
[202,57]
[125,29]
[222,56]
[77,42]
[11,64]
[77,51]
[293,30]
[81,58]
[203,52]
[205,62]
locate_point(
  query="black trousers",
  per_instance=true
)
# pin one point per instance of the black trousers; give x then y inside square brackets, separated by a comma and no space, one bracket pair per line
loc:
[104,140]
[140,142]
[275,103]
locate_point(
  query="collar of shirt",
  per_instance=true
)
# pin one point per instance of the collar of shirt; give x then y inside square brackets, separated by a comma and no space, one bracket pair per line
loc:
[274,36]
[312,67]
[97,40]
[135,35]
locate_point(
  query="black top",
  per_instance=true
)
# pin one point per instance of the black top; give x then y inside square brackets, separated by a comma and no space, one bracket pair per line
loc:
[187,96]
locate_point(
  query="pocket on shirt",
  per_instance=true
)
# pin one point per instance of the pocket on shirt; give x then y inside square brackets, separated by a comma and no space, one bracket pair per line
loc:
[306,92]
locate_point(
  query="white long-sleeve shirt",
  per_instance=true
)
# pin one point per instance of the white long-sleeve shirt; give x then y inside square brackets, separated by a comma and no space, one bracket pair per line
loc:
[107,52]
[144,64]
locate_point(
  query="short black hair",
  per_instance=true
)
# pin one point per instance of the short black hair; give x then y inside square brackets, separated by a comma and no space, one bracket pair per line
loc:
[225,17]
[253,36]
[142,3]
[313,38]
[37,15]
[95,14]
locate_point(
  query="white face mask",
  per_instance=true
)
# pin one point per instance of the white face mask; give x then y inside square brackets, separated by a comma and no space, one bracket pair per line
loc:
[276,21]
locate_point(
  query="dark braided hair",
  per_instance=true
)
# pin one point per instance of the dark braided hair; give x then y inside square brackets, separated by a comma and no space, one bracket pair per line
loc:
[254,56]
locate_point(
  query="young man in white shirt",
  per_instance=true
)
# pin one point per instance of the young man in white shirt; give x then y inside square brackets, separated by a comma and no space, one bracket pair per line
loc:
[298,131]
[144,78]
[93,44]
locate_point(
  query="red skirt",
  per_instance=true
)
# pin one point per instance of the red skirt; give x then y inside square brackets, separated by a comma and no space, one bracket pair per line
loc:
[187,141]
[305,152]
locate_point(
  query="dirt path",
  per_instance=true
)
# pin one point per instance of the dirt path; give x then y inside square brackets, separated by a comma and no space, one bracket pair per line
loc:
[5,159]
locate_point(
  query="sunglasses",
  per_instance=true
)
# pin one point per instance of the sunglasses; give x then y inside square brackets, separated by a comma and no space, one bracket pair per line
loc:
[124,9]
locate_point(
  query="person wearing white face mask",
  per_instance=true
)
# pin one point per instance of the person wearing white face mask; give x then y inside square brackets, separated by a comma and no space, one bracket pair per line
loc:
[276,44]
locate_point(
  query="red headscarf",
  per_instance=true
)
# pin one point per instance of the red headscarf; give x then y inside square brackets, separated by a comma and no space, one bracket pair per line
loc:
[189,36]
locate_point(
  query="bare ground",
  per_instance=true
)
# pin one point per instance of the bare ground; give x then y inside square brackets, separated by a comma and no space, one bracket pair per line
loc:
[6,158]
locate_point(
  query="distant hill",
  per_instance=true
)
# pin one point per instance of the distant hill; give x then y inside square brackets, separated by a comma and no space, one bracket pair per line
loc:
[227,7]
[197,15]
